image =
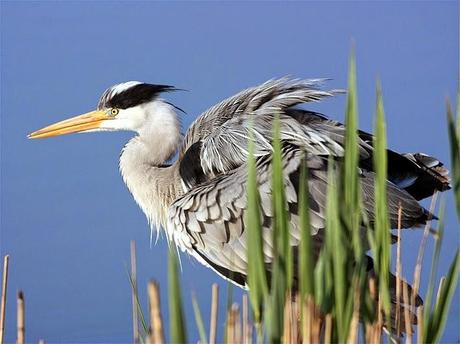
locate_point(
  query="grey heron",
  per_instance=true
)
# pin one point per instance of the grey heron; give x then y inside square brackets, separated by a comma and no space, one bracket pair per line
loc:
[200,198]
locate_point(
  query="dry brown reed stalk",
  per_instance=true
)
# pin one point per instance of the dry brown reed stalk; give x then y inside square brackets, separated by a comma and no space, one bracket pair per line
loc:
[230,327]
[398,275]
[134,292]
[247,328]
[287,329]
[295,320]
[156,323]
[328,329]
[407,317]
[20,319]
[233,325]
[374,330]
[6,261]
[370,327]
[316,321]
[305,322]
[420,325]
[310,325]
[354,326]
[368,332]
[214,309]
[238,332]
[380,322]
[421,253]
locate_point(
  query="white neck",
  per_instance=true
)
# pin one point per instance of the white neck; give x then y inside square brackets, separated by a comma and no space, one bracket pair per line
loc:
[160,130]
[152,186]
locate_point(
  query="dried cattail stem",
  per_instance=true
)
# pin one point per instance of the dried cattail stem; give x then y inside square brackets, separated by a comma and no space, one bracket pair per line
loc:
[238,332]
[407,317]
[294,318]
[305,319]
[20,319]
[378,332]
[156,323]
[398,276]
[6,260]
[247,329]
[420,325]
[316,321]
[328,329]
[287,334]
[421,253]
[354,326]
[214,309]
[233,324]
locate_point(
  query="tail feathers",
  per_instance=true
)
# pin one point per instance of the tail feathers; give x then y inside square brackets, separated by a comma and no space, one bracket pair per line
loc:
[430,173]
[430,163]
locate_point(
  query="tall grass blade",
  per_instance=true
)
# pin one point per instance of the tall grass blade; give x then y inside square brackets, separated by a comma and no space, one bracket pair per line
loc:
[434,266]
[306,264]
[281,267]
[177,329]
[339,258]
[441,309]
[145,327]
[382,254]
[454,137]
[257,279]
[134,292]
[350,183]
[199,320]
[280,208]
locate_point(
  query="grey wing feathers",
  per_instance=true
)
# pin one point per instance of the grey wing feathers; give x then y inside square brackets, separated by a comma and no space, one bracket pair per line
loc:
[209,220]
[226,147]
[274,96]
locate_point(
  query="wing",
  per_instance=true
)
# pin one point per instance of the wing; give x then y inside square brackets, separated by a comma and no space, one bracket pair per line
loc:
[417,173]
[209,220]
[274,95]
[217,141]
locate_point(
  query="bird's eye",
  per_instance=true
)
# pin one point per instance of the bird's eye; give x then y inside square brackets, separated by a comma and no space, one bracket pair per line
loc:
[114,111]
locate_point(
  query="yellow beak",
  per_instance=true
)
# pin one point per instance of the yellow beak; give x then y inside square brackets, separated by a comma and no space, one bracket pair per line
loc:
[87,121]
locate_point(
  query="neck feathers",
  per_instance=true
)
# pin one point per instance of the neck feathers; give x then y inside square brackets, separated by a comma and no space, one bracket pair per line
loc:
[153,187]
[160,133]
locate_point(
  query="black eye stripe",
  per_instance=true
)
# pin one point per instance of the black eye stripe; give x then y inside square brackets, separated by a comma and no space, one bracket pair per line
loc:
[133,96]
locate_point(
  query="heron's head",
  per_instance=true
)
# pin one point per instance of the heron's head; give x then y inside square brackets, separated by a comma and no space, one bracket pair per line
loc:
[132,105]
